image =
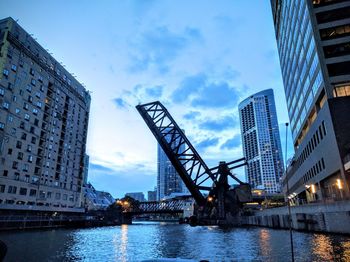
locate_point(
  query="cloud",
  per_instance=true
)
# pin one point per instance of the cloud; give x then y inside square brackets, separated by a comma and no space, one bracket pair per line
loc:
[158,47]
[216,95]
[100,168]
[209,142]
[203,93]
[188,86]
[232,143]
[154,91]
[219,124]
[120,102]
[192,115]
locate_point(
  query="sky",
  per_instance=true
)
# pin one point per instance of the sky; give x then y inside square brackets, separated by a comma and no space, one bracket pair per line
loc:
[200,58]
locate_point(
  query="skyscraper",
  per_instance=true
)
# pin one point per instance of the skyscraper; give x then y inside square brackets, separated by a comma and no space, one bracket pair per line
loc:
[261,141]
[44,114]
[314,47]
[168,180]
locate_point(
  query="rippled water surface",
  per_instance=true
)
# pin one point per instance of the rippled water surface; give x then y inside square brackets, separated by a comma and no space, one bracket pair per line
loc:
[142,241]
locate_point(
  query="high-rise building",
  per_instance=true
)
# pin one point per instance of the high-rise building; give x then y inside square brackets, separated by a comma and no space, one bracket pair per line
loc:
[314,46]
[261,141]
[152,195]
[139,196]
[168,180]
[44,114]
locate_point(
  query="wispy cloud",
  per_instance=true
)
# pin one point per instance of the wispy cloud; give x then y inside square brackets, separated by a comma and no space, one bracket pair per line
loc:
[192,115]
[120,102]
[232,142]
[219,124]
[158,47]
[209,142]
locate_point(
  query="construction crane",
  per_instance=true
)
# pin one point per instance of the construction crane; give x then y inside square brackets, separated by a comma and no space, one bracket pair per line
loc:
[220,202]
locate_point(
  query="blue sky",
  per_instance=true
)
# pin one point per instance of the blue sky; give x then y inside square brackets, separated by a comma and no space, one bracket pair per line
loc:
[199,58]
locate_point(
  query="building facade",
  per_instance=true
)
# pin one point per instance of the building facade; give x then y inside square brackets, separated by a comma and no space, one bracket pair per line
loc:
[139,196]
[152,195]
[168,180]
[44,114]
[313,39]
[261,141]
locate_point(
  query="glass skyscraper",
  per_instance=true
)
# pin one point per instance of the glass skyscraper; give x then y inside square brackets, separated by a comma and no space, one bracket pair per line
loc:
[261,141]
[314,46]
[168,180]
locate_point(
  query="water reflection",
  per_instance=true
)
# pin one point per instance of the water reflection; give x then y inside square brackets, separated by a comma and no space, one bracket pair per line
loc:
[322,248]
[153,240]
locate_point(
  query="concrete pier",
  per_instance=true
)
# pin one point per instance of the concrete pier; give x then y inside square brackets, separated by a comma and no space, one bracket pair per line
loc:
[320,217]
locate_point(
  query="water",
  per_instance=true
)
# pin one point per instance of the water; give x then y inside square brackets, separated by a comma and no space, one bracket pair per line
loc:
[142,241]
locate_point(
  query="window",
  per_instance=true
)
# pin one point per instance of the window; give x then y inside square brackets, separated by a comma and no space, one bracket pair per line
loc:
[6,105]
[5,72]
[12,190]
[23,191]
[30,99]
[19,144]
[26,178]
[39,104]
[32,192]
[33,82]
[65,196]
[2,188]
[30,158]
[40,78]
[15,165]
[38,94]
[29,88]
[5,173]
[14,68]
[10,118]
[31,71]
[25,168]
[49,194]
[9,151]
[35,111]
[2,126]
[29,148]
[2,92]
[26,117]
[33,139]
[58,196]
[20,156]
[24,136]
[16,176]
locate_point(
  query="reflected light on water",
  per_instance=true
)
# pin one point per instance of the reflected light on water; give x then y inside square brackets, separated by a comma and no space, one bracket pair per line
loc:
[121,244]
[264,240]
[322,247]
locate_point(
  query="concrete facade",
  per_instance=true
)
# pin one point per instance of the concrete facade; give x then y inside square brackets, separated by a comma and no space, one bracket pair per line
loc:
[313,43]
[44,114]
[321,217]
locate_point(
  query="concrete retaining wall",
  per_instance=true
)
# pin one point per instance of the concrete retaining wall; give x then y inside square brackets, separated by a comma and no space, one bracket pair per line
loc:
[330,217]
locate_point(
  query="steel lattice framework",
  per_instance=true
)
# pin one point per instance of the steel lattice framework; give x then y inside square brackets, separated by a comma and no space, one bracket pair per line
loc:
[154,207]
[184,157]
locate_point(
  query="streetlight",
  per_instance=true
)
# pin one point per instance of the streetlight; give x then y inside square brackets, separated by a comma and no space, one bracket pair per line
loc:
[288,199]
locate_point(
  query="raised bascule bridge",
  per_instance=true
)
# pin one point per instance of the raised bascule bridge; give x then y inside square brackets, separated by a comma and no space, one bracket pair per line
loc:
[215,201]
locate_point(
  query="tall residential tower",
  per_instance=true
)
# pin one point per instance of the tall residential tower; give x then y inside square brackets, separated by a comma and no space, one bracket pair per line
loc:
[168,180]
[261,141]
[44,114]
[313,39]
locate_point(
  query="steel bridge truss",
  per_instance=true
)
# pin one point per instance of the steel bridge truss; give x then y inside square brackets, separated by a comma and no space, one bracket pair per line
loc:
[155,207]
[184,157]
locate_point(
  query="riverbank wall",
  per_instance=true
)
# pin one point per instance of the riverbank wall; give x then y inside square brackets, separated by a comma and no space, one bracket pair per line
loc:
[319,217]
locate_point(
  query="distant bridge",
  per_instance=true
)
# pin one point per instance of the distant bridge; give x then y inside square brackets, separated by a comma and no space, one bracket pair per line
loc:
[171,206]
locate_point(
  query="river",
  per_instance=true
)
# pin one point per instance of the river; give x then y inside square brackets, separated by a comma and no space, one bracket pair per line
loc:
[146,240]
